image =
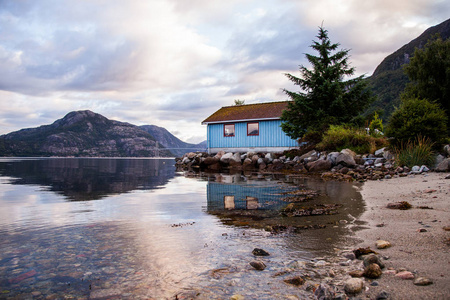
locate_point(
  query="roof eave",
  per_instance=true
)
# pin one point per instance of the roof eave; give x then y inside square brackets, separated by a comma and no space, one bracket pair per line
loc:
[236,121]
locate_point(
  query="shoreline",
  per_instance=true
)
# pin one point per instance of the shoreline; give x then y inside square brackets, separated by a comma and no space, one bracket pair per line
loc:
[419,242]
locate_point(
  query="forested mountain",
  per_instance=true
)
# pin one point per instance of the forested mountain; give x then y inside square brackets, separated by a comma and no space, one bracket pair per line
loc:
[388,79]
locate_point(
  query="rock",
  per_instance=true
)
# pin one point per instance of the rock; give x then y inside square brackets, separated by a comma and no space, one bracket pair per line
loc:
[372,271]
[345,160]
[319,165]
[320,263]
[379,152]
[380,244]
[415,169]
[237,297]
[402,205]
[422,281]
[447,150]
[356,273]
[405,275]
[349,255]
[443,166]
[373,259]
[349,152]
[332,157]
[324,292]
[383,295]
[362,251]
[258,265]
[353,286]
[296,280]
[226,158]
[235,159]
[424,168]
[260,252]
[210,160]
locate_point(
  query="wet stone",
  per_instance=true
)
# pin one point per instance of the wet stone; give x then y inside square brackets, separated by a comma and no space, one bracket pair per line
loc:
[258,265]
[422,281]
[260,252]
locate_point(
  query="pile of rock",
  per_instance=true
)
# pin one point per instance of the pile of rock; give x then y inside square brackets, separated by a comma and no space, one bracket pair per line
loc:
[344,165]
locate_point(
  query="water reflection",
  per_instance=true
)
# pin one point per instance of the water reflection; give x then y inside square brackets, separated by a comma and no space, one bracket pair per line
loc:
[80,179]
[152,233]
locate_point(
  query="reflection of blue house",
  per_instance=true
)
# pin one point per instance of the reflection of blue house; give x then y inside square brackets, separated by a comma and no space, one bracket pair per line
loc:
[245,196]
[243,128]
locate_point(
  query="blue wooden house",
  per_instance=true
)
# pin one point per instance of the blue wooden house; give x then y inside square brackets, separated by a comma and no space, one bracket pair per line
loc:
[252,127]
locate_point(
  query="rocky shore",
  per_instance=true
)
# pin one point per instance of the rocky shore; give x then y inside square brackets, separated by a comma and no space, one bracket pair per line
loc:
[402,250]
[345,165]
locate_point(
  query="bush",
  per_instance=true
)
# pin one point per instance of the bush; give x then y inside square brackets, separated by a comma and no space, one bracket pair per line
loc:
[417,117]
[339,137]
[376,126]
[415,153]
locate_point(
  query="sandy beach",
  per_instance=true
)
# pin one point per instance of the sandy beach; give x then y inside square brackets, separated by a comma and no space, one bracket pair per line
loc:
[420,244]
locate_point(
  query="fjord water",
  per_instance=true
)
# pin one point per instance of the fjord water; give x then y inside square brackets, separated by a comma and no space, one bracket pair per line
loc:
[138,229]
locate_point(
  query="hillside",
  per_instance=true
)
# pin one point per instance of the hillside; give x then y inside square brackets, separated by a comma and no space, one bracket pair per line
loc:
[168,140]
[388,80]
[82,133]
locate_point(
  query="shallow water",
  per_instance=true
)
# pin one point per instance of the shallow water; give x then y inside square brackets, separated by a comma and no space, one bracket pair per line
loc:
[137,229]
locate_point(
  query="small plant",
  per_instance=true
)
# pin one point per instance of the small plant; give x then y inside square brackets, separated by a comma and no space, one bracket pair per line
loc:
[376,126]
[415,153]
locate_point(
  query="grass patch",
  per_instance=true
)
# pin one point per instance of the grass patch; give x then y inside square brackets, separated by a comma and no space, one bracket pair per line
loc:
[415,153]
[339,137]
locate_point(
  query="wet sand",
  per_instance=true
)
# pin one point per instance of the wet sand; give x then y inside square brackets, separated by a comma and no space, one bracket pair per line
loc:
[426,253]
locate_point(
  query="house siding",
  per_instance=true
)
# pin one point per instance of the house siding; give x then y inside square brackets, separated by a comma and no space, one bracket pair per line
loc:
[270,136]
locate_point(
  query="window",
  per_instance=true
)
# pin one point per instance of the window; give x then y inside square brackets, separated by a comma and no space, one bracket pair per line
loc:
[228,130]
[252,128]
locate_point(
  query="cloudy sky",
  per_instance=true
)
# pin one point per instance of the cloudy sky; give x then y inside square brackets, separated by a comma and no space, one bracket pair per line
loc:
[172,63]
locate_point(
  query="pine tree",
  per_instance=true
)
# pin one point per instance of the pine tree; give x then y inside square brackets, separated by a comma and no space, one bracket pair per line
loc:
[325,98]
[429,73]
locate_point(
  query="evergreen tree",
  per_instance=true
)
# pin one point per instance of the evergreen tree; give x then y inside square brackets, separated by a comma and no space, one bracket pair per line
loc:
[429,72]
[325,98]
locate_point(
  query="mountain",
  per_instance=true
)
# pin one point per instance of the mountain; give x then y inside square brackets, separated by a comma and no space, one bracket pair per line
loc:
[85,134]
[171,142]
[388,80]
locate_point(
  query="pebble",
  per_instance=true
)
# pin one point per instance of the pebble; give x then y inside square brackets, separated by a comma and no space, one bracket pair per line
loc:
[258,265]
[405,275]
[296,280]
[372,271]
[380,244]
[354,285]
[383,295]
[422,281]
[373,259]
[260,252]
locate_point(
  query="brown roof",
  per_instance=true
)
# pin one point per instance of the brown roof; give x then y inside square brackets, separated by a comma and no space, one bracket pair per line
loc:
[237,113]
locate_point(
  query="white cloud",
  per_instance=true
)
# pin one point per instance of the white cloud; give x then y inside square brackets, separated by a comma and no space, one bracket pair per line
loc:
[172,63]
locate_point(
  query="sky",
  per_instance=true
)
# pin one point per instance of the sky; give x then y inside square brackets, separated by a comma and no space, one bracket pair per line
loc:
[172,63]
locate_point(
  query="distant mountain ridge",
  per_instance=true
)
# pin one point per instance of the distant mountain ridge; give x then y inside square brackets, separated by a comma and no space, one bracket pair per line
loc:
[168,140]
[86,134]
[388,80]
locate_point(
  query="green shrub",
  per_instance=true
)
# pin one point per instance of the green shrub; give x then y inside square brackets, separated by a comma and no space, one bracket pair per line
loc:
[415,153]
[376,126]
[339,137]
[417,117]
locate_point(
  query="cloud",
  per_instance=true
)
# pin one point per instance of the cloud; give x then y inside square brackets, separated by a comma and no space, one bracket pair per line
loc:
[173,63]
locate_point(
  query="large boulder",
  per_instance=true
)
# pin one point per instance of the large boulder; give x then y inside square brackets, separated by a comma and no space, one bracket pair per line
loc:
[235,159]
[345,159]
[210,160]
[349,152]
[332,157]
[319,165]
[226,158]
[443,166]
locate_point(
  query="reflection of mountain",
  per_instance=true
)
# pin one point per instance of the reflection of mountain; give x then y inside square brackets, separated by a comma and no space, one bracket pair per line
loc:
[81,179]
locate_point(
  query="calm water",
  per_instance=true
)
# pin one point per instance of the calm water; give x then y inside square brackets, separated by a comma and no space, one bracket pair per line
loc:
[137,229]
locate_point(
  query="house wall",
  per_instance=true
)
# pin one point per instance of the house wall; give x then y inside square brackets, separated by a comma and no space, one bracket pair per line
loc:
[270,139]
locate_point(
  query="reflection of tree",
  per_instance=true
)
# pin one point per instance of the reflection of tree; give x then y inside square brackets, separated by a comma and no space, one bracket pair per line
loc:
[89,179]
